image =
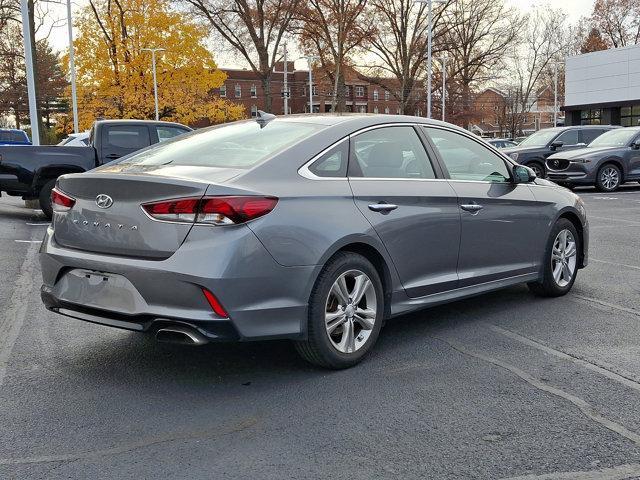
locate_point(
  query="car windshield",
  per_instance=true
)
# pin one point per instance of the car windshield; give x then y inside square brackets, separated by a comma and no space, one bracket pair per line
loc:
[539,139]
[615,138]
[238,145]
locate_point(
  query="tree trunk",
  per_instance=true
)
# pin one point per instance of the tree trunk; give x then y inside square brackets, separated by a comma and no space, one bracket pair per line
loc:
[341,100]
[268,97]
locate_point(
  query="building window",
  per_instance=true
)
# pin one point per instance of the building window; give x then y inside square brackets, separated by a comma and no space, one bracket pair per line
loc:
[386,110]
[223,91]
[238,91]
[375,109]
[359,91]
[314,90]
[590,117]
[347,91]
[254,111]
[362,109]
[398,111]
[630,116]
[386,95]
[254,91]
[375,96]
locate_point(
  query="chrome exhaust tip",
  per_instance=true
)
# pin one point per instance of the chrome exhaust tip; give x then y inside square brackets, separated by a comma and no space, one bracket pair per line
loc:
[180,335]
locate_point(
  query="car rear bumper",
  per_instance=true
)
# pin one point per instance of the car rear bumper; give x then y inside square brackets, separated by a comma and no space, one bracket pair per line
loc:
[263,299]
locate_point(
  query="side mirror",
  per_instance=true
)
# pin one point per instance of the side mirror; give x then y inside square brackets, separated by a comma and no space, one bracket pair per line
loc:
[556,144]
[522,174]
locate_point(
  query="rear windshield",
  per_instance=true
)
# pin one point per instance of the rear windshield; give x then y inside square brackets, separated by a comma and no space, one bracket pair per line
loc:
[237,145]
[14,137]
[619,137]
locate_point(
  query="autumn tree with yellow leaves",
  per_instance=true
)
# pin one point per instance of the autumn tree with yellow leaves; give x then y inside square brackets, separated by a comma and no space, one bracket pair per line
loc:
[114,74]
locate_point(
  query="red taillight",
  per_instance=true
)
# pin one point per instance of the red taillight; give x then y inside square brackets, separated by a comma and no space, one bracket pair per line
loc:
[215,305]
[61,202]
[211,210]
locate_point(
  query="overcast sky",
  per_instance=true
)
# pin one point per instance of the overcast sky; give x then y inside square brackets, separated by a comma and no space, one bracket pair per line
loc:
[574,9]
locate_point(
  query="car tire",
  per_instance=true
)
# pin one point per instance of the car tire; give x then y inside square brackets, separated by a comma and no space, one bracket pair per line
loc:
[45,198]
[609,178]
[538,169]
[336,333]
[560,255]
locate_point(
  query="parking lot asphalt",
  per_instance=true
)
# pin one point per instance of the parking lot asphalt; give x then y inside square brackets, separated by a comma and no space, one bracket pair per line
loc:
[502,386]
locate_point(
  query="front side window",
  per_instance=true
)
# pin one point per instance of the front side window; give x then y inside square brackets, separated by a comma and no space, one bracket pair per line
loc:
[568,138]
[236,145]
[166,132]
[332,163]
[466,159]
[390,152]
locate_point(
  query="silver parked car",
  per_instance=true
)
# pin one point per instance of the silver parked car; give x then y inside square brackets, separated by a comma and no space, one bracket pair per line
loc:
[310,228]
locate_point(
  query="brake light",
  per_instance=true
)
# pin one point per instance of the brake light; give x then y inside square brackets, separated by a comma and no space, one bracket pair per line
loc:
[61,202]
[228,210]
[215,305]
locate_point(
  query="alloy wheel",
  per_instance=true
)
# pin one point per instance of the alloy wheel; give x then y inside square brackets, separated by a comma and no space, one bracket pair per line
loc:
[350,311]
[537,170]
[564,258]
[609,178]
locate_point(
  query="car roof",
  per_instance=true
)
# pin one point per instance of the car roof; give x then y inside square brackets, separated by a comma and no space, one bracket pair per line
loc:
[140,122]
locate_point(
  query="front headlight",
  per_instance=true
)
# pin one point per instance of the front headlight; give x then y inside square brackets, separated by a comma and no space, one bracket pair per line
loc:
[514,156]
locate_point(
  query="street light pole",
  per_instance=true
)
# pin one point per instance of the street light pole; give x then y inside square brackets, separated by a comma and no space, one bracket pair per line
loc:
[155,82]
[286,85]
[429,41]
[443,59]
[72,67]
[31,82]
[309,59]
[555,95]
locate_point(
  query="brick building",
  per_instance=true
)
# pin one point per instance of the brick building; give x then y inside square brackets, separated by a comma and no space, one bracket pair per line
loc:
[362,95]
[492,113]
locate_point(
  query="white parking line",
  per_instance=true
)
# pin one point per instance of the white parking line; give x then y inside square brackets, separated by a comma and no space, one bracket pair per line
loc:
[635,267]
[28,241]
[39,224]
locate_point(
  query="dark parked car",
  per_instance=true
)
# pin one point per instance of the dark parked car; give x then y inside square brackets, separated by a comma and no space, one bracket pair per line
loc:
[534,150]
[31,172]
[610,160]
[501,143]
[12,136]
[309,228]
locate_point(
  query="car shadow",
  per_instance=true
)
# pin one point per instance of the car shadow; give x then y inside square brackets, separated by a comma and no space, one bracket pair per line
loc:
[154,364]
[18,211]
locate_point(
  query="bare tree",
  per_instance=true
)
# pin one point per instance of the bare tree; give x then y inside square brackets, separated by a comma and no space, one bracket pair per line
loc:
[618,21]
[400,44]
[478,36]
[334,29]
[254,29]
[544,41]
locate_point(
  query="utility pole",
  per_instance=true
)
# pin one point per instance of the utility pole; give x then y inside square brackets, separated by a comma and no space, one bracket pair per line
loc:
[310,58]
[155,82]
[286,85]
[72,67]
[31,81]
[429,41]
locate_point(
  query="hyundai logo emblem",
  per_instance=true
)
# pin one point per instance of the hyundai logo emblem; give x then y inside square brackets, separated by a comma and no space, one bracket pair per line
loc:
[104,201]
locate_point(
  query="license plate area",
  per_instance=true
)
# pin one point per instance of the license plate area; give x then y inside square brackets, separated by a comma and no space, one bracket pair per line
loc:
[103,290]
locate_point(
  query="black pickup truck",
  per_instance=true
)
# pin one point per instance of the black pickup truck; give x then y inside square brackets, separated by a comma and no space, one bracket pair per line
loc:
[31,172]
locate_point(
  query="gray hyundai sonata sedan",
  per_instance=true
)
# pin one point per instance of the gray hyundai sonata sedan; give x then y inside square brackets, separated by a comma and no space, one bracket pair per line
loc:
[310,228]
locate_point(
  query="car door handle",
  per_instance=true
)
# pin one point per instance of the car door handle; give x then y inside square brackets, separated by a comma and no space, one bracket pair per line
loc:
[382,207]
[471,207]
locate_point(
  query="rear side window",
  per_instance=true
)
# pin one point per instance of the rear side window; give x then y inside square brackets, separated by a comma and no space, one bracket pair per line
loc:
[13,137]
[590,134]
[165,132]
[128,136]
[570,137]
[390,152]
[333,163]
[235,145]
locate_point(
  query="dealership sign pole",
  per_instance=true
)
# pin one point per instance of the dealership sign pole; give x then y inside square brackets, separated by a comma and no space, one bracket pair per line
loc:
[31,82]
